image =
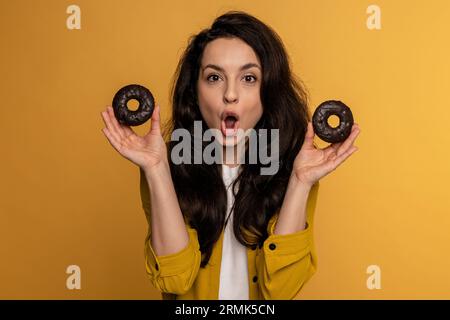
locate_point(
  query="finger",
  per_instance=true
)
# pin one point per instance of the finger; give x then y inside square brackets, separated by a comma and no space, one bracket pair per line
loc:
[347,144]
[115,123]
[156,127]
[309,137]
[339,159]
[126,130]
[332,149]
[112,140]
[105,119]
[109,126]
[335,146]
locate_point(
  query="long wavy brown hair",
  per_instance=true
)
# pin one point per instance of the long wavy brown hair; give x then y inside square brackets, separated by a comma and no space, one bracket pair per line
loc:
[200,188]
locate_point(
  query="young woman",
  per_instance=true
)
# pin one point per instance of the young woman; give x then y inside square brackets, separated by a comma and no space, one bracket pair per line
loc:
[224,230]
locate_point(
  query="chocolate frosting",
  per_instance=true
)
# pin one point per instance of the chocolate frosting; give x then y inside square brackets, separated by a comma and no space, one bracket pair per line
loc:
[324,130]
[137,117]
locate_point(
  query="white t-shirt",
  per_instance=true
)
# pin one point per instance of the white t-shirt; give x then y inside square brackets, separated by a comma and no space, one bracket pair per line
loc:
[233,270]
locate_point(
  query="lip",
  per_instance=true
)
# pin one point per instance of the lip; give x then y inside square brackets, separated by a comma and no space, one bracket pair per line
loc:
[229,113]
[229,132]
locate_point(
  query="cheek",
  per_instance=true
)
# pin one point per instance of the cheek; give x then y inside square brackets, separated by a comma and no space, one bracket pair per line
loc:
[253,115]
[256,117]
[210,97]
[208,108]
[206,96]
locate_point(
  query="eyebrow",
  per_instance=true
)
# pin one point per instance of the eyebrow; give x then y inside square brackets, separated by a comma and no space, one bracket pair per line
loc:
[244,67]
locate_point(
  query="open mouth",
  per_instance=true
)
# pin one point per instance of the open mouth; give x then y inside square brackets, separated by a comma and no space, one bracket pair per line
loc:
[230,125]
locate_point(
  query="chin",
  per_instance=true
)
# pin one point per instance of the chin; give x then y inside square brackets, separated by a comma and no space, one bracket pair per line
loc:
[229,141]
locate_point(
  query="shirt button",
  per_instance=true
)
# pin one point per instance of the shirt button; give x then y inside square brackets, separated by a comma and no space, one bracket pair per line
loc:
[272,246]
[255,278]
[156,266]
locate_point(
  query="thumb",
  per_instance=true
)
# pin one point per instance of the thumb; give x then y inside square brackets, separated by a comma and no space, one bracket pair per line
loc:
[309,137]
[156,127]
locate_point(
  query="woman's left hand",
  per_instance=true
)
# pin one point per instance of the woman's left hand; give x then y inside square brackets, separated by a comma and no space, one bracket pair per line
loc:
[311,163]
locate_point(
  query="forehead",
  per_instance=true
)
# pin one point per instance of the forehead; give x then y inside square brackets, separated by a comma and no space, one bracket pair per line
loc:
[229,53]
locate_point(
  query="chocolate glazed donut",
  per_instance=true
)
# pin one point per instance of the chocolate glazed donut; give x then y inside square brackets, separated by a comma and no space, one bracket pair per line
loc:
[128,117]
[324,130]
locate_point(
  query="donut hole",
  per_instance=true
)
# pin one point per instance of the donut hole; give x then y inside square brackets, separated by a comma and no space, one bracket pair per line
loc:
[132,104]
[333,121]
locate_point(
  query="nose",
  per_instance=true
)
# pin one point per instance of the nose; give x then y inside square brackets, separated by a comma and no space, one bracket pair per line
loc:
[230,95]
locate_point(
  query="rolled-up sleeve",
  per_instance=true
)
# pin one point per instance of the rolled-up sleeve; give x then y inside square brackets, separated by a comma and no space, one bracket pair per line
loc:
[174,273]
[286,262]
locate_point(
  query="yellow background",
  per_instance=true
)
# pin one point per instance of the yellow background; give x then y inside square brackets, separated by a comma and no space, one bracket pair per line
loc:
[67,197]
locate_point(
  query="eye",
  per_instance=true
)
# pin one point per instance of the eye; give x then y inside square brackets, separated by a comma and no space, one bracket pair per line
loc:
[216,78]
[249,77]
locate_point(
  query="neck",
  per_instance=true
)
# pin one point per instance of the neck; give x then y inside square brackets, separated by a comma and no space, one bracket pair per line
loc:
[230,156]
[234,155]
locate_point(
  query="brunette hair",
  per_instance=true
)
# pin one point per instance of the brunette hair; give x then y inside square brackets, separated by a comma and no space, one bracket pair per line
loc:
[200,188]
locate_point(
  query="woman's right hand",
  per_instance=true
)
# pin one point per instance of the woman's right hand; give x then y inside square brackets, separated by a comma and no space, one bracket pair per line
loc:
[147,152]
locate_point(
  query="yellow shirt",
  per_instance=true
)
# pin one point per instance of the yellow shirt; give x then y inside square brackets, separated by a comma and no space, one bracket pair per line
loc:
[278,270]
